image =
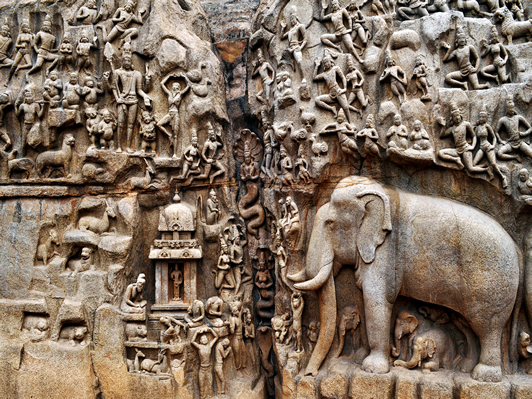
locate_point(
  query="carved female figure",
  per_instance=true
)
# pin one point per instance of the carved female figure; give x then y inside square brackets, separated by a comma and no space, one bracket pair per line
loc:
[420,76]
[397,77]
[497,70]
[23,48]
[224,273]
[356,79]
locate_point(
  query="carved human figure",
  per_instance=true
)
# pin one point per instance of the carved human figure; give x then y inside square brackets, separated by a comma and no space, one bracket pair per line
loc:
[279,253]
[224,278]
[52,89]
[297,304]
[270,144]
[84,263]
[172,334]
[281,328]
[487,145]
[88,13]
[106,130]
[419,137]
[197,314]
[370,136]
[420,76]
[91,124]
[23,49]
[497,69]
[396,76]
[465,56]
[297,38]
[412,9]
[5,45]
[32,113]
[209,156]
[301,164]
[204,348]
[463,151]
[90,92]
[128,85]
[313,332]
[511,123]
[349,321]
[175,96]
[266,73]
[342,31]
[212,211]
[177,278]
[345,131]
[284,94]
[291,221]
[356,80]
[43,44]
[359,24]
[147,132]
[83,52]
[123,18]
[66,50]
[331,75]
[221,352]
[249,335]
[524,186]
[524,349]
[397,134]
[236,254]
[133,302]
[6,100]
[286,167]
[191,161]
[239,350]
[72,95]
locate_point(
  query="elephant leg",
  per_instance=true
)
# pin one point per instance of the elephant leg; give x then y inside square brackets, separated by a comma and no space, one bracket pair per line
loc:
[489,367]
[327,301]
[378,316]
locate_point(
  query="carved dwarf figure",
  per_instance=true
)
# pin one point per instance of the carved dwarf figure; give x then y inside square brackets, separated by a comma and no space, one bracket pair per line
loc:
[331,75]
[45,52]
[147,133]
[463,150]
[524,186]
[90,92]
[91,124]
[66,50]
[212,212]
[72,95]
[52,89]
[83,51]
[511,123]
[106,130]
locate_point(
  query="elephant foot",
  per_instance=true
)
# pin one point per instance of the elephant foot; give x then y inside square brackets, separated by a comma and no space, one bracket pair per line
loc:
[376,363]
[467,365]
[484,373]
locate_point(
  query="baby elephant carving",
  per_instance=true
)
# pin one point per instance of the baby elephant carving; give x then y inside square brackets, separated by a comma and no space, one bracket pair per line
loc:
[405,325]
[348,322]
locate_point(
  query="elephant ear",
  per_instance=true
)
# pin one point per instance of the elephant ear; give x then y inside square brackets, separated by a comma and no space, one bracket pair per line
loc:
[376,223]
[430,347]
[412,323]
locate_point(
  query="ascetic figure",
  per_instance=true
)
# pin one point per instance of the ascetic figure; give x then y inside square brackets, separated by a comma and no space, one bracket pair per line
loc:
[204,348]
[133,302]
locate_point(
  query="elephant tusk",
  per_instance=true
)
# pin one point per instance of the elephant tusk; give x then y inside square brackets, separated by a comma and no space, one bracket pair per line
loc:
[318,281]
[298,277]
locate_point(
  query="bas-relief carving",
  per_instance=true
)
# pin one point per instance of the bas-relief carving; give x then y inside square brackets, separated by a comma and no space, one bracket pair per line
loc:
[235,290]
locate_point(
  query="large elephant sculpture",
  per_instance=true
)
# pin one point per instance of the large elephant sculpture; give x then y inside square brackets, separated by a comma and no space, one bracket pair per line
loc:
[427,248]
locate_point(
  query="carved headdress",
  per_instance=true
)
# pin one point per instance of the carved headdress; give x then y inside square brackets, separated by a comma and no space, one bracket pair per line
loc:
[248,144]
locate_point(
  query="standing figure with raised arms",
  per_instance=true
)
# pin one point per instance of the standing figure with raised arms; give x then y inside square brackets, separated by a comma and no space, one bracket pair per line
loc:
[297,38]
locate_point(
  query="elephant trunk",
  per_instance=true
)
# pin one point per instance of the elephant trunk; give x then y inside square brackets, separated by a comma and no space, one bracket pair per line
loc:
[396,349]
[414,361]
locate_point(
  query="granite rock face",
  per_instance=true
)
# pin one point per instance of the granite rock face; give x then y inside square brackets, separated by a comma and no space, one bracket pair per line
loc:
[182,184]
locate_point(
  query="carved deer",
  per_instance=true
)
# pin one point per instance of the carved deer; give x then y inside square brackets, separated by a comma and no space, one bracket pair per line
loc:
[97,225]
[133,366]
[43,250]
[161,366]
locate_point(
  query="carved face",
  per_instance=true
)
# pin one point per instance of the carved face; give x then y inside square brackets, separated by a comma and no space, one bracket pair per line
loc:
[457,118]
[140,285]
[293,19]
[146,117]
[523,175]
[510,107]
[195,141]
[126,62]
[461,41]
[335,5]
[89,83]
[53,76]
[370,122]
[25,28]
[417,126]
[85,253]
[4,31]
[482,117]
[73,78]
[327,63]
[176,88]
[204,340]
[107,117]
[211,134]
[397,120]
[28,97]
[91,3]
[46,27]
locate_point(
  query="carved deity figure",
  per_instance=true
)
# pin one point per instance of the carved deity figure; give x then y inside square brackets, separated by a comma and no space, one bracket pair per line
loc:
[191,161]
[419,137]
[224,278]
[175,96]
[358,23]
[511,123]
[497,69]
[32,113]
[83,51]
[341,22]
[297,38]
[133,302]
[204,348]
[239,350]
[128,85]
[249,335]
[420,76]
[43,44]
[302,165]
[209,156]
[286,167]
[463,151]
[355,79]
[396,76]
[465,55]
[6,100]
[370,136]
[106,130]
[279,253]
[72,95]
[52,90]
[123,18]
[397,134]
[297,320]
[345,132]
[66,51]
[266,73]
[212,210]
[23,49]
[270,144]
[284,94]
[5,45]
[177,278]
[331,75]
[88,13]
[222,350]
[487,144]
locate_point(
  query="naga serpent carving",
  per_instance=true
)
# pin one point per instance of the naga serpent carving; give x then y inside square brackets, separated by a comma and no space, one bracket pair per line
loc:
[248,151]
